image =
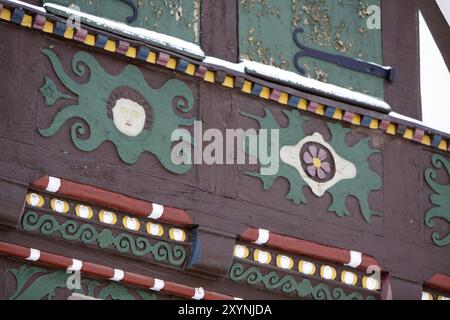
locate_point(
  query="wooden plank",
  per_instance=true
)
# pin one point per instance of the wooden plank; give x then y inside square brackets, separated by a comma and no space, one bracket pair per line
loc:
[218,37]
[401,50]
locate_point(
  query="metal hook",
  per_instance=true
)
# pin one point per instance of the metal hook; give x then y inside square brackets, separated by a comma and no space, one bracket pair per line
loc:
[134,16]
[346,62]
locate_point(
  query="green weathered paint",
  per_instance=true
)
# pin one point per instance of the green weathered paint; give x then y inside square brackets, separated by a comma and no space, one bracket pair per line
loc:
[288,284]
[336,27]
[51,92]
[44,286]
[178,18]
[116,291]
[92,108]
[70,230]
[360,186]
[441,200]
[22,275]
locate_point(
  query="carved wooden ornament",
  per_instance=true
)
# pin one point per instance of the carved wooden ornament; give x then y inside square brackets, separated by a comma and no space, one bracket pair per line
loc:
[122,109]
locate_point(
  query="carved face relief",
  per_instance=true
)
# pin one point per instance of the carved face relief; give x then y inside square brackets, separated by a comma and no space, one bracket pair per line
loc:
[120,109]
[129,117]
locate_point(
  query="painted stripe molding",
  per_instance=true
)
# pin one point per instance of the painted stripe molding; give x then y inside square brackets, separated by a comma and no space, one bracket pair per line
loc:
[108,273]
[439,282]
[345,257]
[112,200]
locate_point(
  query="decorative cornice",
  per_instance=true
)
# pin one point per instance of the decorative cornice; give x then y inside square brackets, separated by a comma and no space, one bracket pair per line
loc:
[81,211]
[308,267]
[104,238]
[293,245]
[51,213]
[288,284]
[312,261]
[112,200]
[214,73]
[109,273]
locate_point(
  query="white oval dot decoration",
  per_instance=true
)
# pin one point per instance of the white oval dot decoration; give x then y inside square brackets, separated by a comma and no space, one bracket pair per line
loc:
[370,283]
[155,229]
[59,205]
[177,234]
[241,251]
[263,257]
[327,272]
[306,267]
[427,296]
[35,200]
[107,217]
[349,278]
[285,262]
[83,211]
[131,223]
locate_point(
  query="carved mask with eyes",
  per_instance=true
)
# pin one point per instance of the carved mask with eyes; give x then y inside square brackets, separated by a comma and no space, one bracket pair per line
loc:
[129,117]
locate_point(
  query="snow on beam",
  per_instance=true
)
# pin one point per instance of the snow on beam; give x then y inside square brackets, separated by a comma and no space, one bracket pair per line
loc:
[314,86]
[26,5]
[147,36]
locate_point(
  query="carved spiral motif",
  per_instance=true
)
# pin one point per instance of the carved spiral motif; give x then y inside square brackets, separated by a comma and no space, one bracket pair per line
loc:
[321,292]
[288,284]
[181,104]
[97,92]
[441,200]
[70,230]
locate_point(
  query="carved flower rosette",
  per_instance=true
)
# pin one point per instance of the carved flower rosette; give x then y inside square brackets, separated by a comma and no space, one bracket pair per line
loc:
[317,163]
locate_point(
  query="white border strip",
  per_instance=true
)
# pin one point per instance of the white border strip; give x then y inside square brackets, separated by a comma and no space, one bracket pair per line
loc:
[76,265]
[53,184]
[118,275]
[157,211]
[263,236]
[355,259]
[158,285]
[34,255]
[199,294]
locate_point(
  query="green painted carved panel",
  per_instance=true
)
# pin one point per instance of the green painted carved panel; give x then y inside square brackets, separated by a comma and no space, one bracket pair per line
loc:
[35,283]
[138,246]
[345,28]
[178,18]
[333,167]
[122,109]
[289,285]
[441,201]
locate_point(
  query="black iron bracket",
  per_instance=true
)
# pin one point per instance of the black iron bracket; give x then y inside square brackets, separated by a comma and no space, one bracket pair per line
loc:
[133,5]
[342,61]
